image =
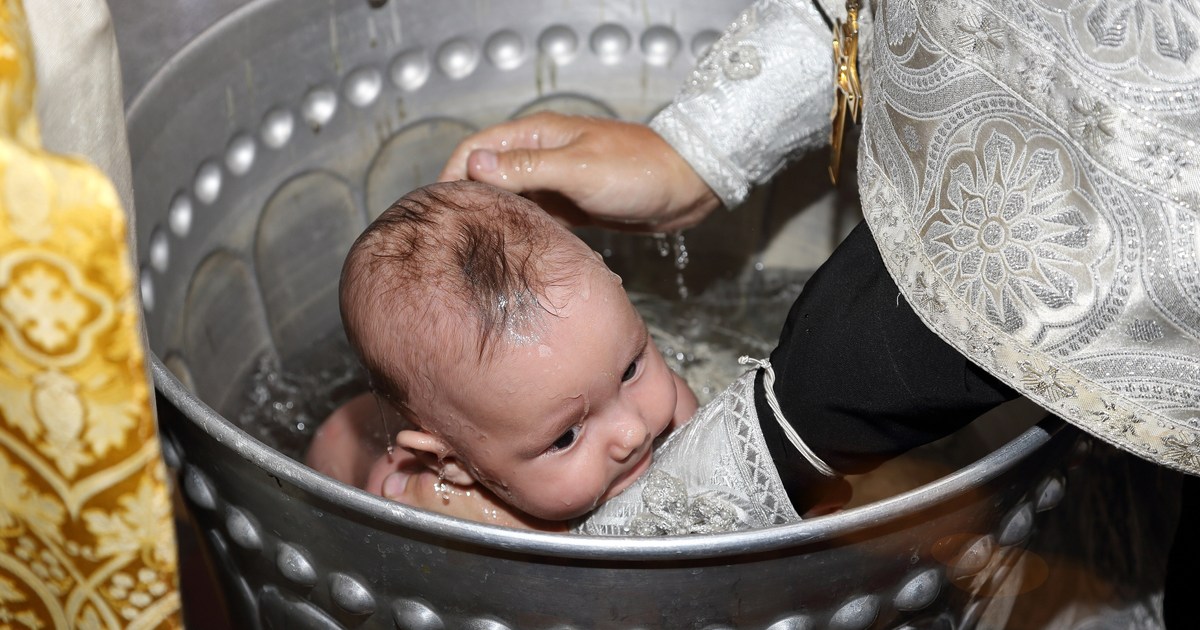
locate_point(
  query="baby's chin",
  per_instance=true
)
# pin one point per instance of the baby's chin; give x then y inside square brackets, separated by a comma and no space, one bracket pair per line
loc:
[618,486]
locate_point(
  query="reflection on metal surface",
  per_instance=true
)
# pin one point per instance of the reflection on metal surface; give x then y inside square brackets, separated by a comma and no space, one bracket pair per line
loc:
[416,615]
[351,594]
[920,591]
[295,565]
[856,614]
[242,529]
[198,488]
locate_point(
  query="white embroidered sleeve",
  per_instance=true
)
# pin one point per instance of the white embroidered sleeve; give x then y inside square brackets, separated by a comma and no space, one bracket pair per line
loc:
[760,95]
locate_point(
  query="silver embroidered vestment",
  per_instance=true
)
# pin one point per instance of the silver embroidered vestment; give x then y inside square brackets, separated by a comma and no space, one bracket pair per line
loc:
[1031,173]
[712,475]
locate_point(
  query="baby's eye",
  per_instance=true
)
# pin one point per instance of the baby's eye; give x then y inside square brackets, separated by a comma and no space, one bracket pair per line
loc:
[565,440]
[630,372]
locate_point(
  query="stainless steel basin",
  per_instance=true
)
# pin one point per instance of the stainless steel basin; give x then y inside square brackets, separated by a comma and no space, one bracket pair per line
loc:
[261,150]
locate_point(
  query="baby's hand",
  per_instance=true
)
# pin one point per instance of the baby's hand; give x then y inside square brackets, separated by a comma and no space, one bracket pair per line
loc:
[402,476]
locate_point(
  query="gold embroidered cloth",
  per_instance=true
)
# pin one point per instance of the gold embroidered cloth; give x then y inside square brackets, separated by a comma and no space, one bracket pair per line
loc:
[86,536]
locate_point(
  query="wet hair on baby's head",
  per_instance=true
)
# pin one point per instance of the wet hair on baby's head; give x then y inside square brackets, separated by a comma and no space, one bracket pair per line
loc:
[444,257]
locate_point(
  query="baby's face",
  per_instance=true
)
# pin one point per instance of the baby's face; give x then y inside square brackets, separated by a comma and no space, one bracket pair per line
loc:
[564,418]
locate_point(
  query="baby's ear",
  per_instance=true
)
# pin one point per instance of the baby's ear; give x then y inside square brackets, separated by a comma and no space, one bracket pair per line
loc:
[436,454]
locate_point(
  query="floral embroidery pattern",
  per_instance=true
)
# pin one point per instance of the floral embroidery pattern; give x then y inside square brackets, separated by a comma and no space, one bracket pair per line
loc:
[980,343]
[1002,228]
[1169,28]
[1163,162]
[1182,450]
[1123,424]
[979,35]
[729,56]
[134,529]
[1053,201]
[1045,382]
[902,21]
[38,303]
[1093,121]
[928,294]
[138,592]
[1127,425]
[1037,77]
[86,533]
[22,507]
[46,306]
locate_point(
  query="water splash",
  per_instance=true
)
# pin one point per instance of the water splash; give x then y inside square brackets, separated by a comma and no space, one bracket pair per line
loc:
[664,246]
[681,253]
[389,443]
[675,246]
[283,408]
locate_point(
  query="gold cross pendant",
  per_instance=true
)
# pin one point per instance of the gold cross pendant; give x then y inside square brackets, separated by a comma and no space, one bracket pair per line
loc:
[847,92]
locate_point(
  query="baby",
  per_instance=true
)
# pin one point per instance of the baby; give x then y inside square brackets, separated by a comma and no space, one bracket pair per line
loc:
[529,388]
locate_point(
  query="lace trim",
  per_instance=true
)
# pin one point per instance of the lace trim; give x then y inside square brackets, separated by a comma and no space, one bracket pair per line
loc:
[726,180]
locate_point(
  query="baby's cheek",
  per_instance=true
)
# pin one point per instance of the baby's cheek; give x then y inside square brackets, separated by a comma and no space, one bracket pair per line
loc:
[665,396]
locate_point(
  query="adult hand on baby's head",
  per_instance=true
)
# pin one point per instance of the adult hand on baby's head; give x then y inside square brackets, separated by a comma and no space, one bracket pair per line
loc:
[402,476]
[587,170]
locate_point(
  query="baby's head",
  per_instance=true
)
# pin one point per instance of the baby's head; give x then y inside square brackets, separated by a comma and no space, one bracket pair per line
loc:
[509,344]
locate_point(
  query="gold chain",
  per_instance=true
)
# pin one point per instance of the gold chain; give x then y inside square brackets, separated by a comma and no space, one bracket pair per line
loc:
[847,91]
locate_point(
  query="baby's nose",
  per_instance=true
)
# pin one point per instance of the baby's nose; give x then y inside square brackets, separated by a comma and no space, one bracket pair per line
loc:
[630,436]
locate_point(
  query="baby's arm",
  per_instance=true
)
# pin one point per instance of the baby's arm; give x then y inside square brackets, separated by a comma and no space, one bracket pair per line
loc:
[345,444]
[685,402]
[402,476]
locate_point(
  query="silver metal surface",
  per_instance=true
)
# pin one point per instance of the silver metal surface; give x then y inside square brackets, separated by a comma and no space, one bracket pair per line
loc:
[262,149]
[149,32]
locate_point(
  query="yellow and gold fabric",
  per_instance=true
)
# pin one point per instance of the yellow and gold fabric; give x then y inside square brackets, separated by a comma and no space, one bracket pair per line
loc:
[86,533]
